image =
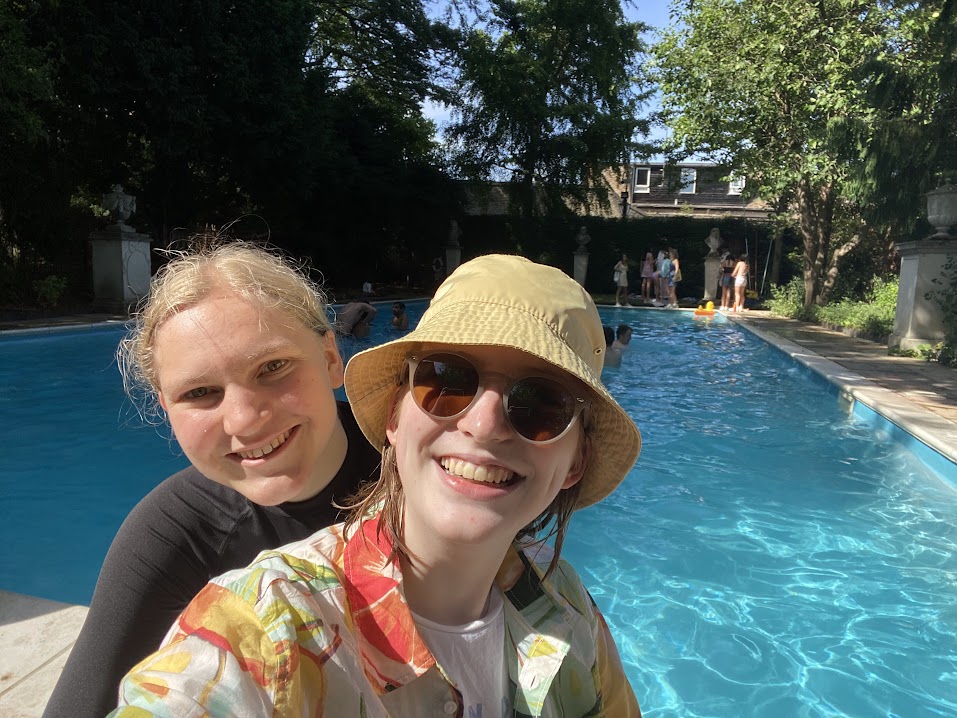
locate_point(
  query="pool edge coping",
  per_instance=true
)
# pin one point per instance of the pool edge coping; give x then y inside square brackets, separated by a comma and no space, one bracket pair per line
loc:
[933,430]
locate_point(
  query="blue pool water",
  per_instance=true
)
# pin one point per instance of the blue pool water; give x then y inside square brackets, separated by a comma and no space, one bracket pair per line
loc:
[770,555]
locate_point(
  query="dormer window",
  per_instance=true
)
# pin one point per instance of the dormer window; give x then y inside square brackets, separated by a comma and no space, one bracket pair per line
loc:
[689,178]
[736,185]
[642,180]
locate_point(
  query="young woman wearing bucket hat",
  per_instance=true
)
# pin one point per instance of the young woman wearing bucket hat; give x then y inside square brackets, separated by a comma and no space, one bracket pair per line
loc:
[435,597]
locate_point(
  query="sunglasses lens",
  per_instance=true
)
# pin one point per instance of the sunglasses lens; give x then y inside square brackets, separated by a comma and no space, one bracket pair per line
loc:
[540,409]
[444,384]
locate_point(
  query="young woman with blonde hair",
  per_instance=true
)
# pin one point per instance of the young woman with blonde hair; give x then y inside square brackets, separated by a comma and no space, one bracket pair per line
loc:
[233,348]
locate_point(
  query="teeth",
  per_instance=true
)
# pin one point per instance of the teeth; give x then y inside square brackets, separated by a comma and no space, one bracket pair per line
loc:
[267,449]
[483,474]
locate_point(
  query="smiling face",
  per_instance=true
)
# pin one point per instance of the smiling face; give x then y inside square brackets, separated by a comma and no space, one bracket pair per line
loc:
[249,395]
[472,478]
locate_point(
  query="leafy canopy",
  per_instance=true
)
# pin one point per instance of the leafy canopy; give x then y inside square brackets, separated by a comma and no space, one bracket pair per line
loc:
[547,93]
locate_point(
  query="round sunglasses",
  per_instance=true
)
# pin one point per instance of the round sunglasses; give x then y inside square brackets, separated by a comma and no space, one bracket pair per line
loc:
[540,409]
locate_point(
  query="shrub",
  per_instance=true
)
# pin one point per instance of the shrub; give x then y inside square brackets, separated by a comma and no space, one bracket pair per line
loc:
[874,317]
[788,301]
[49,290]
[946,297]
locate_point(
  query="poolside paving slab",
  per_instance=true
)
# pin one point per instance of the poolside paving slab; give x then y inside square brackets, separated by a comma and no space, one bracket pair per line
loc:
[36,637]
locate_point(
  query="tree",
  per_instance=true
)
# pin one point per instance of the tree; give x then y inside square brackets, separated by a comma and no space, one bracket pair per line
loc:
[26,92]
[304,112]
[909,143]
[769,87]
[546,96]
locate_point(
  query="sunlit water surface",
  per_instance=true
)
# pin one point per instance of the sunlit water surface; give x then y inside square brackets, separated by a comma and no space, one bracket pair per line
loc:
[770,554]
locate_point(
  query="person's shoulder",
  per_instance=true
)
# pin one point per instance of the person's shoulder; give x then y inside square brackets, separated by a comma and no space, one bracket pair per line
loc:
[191,486]
[194,500]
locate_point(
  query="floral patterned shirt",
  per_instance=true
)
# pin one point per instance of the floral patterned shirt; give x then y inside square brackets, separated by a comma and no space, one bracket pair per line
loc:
[321,628]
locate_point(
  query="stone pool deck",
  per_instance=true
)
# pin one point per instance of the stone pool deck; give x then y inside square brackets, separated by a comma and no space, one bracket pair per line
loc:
[36,635]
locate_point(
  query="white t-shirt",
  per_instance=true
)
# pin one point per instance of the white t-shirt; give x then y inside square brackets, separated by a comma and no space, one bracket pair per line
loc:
[473,656]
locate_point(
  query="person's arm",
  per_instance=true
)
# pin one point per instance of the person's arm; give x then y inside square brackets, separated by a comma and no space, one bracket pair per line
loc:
[218,661]
[149,575]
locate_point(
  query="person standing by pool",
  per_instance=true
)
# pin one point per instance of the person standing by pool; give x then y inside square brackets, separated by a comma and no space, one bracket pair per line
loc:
[664,276]
[740,276]
[437,596]
[647,274]
[727,281]
[674,276]
[621,290]
[233,346]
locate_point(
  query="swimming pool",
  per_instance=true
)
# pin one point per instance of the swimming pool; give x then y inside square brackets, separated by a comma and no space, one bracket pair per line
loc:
[770,555]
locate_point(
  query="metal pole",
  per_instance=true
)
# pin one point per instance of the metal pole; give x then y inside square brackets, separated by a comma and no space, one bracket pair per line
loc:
[767,261]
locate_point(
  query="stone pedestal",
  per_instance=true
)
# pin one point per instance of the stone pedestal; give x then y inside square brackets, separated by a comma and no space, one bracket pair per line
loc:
[581,266]
[712,268]
[121,267]
[919,320]
[453,257]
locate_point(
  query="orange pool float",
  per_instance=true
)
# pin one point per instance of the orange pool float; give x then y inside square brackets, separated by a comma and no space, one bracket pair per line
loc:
[705,311]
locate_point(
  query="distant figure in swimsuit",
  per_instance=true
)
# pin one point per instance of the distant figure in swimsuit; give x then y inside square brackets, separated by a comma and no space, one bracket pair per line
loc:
[740,276]
[726,281]
[619,346]
[647,278]
[621,288]
[400,320]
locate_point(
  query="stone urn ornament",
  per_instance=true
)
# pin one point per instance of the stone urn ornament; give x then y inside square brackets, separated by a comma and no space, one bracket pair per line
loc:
[942,209]
[120,205]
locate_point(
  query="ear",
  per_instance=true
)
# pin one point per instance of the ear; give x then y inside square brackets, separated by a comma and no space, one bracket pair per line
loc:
[333,360]
[392,418]
[577,469]
[162,400]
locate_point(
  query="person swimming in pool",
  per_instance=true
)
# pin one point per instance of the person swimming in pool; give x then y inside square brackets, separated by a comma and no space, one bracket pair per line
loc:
[233,346]
[438,595]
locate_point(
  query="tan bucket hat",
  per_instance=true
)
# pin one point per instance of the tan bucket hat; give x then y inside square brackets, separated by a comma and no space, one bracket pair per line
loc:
[509,301]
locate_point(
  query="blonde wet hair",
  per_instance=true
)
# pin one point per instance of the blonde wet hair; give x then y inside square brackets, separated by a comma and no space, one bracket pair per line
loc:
[210,263]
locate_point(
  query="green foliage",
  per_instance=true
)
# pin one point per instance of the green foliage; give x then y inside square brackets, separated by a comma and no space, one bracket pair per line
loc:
[546,97]
[26,99]
[770,88]
[908,144]
[788,301]
[945,295]
[873,317]
[49,290]
[290,110]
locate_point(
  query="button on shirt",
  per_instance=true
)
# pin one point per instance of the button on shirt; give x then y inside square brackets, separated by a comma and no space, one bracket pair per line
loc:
[321,627]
